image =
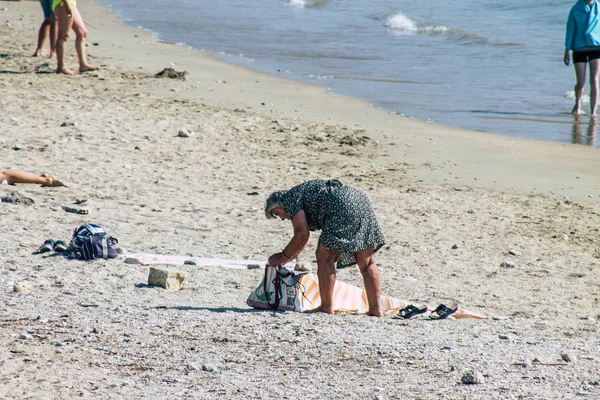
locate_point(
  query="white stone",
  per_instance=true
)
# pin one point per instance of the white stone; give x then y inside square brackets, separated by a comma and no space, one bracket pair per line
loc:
[22,287]
[170,280]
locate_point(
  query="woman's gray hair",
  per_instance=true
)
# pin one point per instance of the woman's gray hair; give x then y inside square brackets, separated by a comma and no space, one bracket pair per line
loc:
[274,201]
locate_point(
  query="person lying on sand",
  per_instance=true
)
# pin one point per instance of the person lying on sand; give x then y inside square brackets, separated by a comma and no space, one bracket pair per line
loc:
[350,234]
[10,177]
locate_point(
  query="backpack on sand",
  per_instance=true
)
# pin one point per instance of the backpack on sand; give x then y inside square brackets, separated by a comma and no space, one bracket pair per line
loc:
[90,241]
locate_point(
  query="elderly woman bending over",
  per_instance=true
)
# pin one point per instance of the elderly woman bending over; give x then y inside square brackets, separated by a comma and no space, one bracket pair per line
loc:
[350,234]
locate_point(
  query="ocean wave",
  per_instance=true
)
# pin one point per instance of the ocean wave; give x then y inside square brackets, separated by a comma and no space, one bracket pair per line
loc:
[307,3]
[401,24]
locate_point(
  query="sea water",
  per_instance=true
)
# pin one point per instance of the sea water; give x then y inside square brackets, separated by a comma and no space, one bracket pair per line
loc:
[493,66]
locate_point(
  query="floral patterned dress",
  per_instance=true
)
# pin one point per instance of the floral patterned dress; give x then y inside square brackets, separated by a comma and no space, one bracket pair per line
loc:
[342,213]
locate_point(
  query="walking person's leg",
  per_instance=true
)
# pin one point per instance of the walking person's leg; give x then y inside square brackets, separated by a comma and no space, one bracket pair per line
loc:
[65,22]
[42,35]
[594,73]
[366,262]
[80,38]
[53,35]
[580,68]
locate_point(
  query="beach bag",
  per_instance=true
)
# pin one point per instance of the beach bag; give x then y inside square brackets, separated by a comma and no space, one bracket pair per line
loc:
[280,289]
[90,241]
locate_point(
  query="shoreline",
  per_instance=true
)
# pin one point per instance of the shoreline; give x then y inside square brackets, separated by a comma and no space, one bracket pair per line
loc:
[456,155]
[183,167]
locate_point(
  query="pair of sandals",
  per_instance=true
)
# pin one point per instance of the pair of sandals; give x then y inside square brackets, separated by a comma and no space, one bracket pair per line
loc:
[441,312]
[49,245]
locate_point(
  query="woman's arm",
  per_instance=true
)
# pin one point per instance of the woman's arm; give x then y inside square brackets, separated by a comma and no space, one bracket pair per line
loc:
[570,31]
[296,244]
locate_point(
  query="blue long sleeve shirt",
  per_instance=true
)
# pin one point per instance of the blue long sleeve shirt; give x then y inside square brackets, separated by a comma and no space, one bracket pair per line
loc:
[583,26]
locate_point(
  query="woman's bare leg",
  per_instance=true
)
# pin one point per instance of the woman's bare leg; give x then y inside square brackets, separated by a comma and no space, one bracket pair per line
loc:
[64,27]
[13,177]
[42,34]
[580,75]
[80,37]
[326,273]
[53,35]
[366,262]
[594,72]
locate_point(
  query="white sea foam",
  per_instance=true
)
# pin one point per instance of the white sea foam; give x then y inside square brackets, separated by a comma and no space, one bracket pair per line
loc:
[297,3]
[436,30]
[401,23]
[570,94]
[306,3]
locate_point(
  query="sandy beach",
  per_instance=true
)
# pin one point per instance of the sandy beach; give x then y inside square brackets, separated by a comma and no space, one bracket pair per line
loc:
[455,207]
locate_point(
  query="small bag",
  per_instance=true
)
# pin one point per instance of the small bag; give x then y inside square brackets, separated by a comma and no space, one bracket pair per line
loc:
[280,289]
[90,241]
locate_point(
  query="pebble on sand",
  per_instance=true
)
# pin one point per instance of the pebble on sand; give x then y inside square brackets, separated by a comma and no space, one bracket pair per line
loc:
[22,287]
[472,378]
[209,368]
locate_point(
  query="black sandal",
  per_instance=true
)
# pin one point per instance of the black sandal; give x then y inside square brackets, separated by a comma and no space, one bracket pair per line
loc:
[410,311]
[443,312]
[47,246]
[60,246]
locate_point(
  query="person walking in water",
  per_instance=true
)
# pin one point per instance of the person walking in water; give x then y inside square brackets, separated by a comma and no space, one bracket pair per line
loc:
[583,39]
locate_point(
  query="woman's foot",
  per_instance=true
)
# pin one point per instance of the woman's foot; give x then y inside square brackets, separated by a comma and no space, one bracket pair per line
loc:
[38,53]
[321,310]
[65,71]
[87,68]
[577,110]
[377,314]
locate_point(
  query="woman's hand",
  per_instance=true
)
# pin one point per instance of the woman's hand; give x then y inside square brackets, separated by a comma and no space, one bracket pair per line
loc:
[567,57]
[296,245]
[277,259]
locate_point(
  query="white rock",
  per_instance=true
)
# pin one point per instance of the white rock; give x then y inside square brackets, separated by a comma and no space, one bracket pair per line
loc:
[22,287]
[170,280]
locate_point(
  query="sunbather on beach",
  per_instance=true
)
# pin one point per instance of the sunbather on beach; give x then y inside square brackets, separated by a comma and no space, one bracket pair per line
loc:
[10,177]
[48,27]
[68,17]
[350,234]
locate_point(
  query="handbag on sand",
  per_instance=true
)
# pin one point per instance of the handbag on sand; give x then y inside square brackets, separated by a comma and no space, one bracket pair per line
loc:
[280,289]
